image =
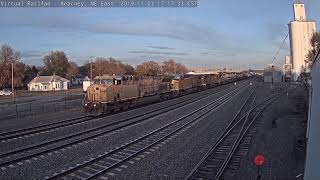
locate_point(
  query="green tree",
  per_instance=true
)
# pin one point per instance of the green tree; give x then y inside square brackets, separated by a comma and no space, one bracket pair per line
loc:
[129,70]
[29,73]
[56,62]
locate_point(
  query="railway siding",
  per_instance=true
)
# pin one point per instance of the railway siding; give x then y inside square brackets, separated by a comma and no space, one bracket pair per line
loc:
[77,157]
[175,158]
[284,157]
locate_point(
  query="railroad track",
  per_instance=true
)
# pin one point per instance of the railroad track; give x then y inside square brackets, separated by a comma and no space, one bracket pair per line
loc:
[42,128]
[101,164]
[223,159]
[29,152]
[50,127]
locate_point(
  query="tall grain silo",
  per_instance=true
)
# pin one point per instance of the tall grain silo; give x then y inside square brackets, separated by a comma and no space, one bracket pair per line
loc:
[301,31]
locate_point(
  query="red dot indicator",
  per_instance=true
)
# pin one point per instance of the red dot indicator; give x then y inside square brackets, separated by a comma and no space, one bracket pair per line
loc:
[259,160]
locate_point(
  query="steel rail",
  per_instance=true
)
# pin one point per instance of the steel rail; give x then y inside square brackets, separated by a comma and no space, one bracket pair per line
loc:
[217,103]
[231,126]
[32,154]
[221,137]
[50,126]
[36,129]
[241,136]
[235,145]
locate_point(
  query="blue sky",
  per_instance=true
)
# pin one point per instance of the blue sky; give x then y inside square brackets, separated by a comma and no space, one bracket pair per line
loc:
[217,33]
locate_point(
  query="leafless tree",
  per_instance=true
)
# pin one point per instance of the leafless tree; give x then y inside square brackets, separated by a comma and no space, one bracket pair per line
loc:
[171,67]
[73,70]
[7,57]
[315,46]
[149,68]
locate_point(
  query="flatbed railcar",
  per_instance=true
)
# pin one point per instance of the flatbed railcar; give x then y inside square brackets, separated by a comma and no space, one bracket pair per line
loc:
[116,93]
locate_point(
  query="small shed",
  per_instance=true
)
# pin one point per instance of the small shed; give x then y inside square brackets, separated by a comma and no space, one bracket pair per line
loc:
[273,74]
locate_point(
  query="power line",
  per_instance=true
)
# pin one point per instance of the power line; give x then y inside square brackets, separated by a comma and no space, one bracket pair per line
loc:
[278,51]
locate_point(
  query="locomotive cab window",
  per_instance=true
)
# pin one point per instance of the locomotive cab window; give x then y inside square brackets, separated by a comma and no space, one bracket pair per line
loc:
[116,82]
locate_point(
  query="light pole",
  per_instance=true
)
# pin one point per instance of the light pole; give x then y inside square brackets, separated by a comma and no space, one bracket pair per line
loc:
[12,87]
[91,68]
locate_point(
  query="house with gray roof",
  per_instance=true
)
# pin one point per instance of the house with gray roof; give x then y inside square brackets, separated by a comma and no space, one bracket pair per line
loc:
[48,83]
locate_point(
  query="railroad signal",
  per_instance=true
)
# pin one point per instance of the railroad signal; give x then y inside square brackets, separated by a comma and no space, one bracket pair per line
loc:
[258,161]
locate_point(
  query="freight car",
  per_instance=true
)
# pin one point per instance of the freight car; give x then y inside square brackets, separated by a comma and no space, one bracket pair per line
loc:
[189,83]
[114,93]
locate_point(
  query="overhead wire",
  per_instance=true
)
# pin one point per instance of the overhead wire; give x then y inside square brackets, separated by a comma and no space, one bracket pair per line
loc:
[278,50]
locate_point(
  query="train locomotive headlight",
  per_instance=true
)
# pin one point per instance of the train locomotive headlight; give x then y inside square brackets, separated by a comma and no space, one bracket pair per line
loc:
[94,105]
[86,104]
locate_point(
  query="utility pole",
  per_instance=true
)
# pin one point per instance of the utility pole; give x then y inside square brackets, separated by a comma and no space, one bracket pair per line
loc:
[91,68]
[12,87]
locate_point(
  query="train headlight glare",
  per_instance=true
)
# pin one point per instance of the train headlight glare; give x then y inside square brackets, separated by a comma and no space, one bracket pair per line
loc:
[85,104]
[94,105]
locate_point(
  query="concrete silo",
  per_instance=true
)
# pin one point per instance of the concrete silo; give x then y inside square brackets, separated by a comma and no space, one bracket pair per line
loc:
[301,31]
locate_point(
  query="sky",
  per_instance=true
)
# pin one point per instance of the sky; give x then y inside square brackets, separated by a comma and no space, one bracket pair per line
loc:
[218,33]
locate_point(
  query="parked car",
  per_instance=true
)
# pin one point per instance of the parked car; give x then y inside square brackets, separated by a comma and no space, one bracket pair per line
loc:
[5,92]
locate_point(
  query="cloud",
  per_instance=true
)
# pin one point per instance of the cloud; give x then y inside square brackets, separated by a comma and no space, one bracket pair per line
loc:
[179,29]
[159,53]
[156,58]
[173,29]
[161,47]
[55,44]
[32,54]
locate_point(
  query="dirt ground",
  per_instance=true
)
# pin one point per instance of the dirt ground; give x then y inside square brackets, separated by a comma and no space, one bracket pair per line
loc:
[280,138]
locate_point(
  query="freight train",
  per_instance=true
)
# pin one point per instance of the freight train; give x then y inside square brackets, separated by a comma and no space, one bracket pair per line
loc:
[117,93]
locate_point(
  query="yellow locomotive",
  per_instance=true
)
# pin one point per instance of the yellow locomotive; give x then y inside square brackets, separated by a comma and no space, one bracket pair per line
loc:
[112,93]
[194,82]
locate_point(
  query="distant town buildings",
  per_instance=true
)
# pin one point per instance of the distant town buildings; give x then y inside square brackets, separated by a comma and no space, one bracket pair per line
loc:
[48,83]
[301,31]
[77,80]
[287,68]
[273,74]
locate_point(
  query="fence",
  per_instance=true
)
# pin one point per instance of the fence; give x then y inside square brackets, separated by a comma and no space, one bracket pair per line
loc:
[33,108]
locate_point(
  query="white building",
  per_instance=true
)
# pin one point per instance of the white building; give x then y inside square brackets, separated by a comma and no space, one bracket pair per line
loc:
[48,83]
[301,31]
